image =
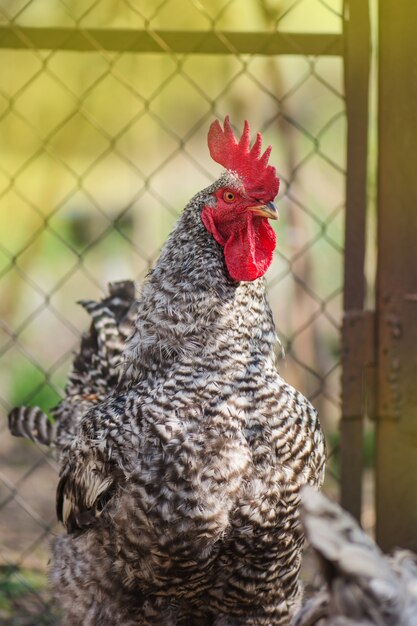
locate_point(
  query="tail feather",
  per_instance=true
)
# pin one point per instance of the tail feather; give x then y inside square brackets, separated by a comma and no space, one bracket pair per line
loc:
[32,423]
[94,372]
[105,327]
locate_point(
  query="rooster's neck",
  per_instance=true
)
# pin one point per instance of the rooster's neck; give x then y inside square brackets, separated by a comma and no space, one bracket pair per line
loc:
[189,305]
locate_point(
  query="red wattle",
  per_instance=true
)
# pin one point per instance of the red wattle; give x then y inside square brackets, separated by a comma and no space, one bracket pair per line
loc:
[249,243]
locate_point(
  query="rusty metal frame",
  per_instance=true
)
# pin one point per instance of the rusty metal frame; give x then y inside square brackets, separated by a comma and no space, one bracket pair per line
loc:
[358,328]
[396,415]
[187,42]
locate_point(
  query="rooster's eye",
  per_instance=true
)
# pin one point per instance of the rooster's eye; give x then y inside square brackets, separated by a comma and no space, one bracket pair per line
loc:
[228,196]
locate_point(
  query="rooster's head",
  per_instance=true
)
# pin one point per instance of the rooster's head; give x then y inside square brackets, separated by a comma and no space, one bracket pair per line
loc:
[241,203]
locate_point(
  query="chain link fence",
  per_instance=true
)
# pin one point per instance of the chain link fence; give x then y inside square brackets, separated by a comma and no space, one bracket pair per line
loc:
[104,111]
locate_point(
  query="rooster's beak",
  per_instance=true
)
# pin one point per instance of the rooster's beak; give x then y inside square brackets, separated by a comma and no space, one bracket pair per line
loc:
[265,210]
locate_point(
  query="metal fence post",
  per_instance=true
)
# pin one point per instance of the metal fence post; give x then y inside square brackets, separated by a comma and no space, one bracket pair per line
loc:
[357,61]
[396,457]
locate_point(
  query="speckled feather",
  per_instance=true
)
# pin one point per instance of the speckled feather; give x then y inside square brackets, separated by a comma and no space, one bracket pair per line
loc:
[364,587]
[180,491]
[95,370]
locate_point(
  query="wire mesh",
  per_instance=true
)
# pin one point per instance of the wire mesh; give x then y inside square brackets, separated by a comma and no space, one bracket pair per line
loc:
[101,150]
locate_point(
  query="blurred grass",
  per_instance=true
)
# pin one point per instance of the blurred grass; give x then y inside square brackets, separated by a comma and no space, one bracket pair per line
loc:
[23,600]
[29,386]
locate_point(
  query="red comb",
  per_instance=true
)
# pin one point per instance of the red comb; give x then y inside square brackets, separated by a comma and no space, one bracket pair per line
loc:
[247,162]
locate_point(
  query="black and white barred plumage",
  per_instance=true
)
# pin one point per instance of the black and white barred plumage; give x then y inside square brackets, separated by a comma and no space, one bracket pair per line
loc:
[363,587]
[94,373]
[180,491]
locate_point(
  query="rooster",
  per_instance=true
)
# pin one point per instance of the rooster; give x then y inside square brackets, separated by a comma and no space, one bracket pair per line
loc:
[180,491]
[95,371]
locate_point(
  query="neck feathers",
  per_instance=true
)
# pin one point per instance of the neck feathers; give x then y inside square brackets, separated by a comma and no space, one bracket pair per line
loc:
[189,304]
